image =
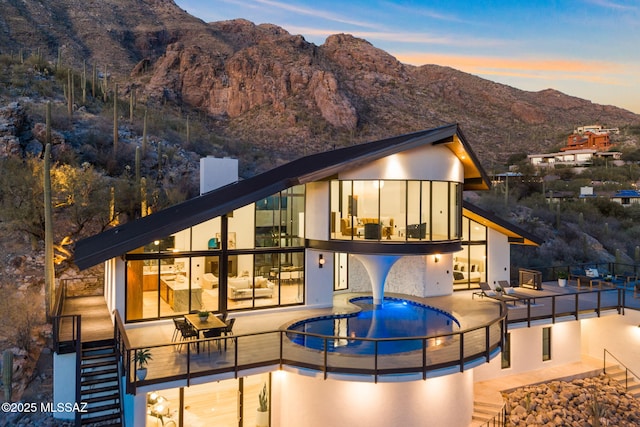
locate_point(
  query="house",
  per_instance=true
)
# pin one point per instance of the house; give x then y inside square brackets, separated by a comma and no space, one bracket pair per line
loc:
[382,218]
[574,158]
[626,197]
[596,140]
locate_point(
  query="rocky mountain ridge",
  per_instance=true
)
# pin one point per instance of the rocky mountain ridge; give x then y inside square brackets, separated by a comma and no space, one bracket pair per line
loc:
[279,93]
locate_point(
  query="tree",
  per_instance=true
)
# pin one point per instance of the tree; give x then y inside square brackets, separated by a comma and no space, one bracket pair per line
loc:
[21,197]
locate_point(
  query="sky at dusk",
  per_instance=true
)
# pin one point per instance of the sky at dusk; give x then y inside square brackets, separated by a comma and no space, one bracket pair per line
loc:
[589,48]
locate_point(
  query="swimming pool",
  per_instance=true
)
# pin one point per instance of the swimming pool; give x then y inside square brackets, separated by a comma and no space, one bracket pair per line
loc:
[394,318]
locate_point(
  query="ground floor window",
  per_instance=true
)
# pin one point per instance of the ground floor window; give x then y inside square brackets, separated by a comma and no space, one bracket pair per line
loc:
[506,351]
[546,343]
[470,266]
[237,402]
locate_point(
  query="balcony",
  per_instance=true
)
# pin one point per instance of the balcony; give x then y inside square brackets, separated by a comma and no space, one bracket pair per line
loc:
[260,341]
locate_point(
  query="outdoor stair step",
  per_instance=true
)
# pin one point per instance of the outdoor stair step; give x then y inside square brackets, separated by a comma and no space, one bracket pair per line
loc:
[99,372]
[95,351]
[98,364]
[103,408]
[102,420]
[99,390]
[97,381]
[94,356]
[102,398]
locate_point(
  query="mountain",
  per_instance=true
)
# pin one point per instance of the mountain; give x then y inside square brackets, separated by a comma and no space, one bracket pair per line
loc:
[279,93]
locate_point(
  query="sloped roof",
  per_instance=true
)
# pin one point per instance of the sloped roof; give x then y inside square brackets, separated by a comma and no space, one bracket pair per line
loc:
[515,234]
[119,240]
[627,193]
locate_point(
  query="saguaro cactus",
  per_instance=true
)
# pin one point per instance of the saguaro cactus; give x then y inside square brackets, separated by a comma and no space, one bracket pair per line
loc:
[115,118]
[144,135]
[69,94]
[49,272]
[143,197]
[47,122]
[7,374]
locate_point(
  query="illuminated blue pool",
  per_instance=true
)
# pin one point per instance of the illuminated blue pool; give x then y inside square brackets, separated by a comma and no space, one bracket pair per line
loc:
[394,318]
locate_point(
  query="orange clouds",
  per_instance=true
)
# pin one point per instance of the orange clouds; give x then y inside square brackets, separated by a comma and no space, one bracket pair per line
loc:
[530,68]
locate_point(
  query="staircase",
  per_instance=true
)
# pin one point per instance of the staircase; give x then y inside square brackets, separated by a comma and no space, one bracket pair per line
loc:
[484,412]
[100,387]
[618,373]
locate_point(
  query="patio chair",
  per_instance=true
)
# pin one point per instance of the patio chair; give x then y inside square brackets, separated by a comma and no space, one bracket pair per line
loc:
[179,323]
[228,330]
[188,334]
[212,333]
[485,291]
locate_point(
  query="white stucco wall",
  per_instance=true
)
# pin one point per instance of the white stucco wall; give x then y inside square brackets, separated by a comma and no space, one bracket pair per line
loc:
[620,335]
[320,293]
[110,284]
[526,350]
[64,379]
[423,163]
[216,172]
[317,211]
[299,400]
[499,255]
[120,272]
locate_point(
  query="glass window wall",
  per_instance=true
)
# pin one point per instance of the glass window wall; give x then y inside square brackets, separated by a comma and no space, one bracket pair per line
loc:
[395,210]
[181,272]
[470,264]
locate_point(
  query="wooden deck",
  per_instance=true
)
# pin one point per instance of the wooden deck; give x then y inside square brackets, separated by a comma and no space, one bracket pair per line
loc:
[96,322]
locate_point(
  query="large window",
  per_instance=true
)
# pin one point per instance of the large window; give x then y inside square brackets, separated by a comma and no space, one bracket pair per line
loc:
[470,263]
[396,210]
[235,402]
[251,258]
[506,351]
[546,343]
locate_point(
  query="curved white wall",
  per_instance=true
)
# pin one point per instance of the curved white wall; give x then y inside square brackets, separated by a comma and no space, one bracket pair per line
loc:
[306,401]
[435,163]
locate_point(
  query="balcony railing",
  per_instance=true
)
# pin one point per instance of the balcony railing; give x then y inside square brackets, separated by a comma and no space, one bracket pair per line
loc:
[570,305]
[228,356]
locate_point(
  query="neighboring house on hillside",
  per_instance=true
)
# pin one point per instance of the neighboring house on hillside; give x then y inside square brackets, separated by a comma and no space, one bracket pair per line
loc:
[626,197]
[580,157]
[598,141]
[382,218]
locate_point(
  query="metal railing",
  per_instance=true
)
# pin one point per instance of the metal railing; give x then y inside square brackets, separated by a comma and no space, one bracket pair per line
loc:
[627,371]
[613,268]
[568,305]
[498,420]
[269,348]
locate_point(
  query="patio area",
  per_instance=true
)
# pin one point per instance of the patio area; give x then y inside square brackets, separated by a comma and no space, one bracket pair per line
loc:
[259,340]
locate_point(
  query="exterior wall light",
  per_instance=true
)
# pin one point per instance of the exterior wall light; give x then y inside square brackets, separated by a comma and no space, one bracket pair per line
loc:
[436,258]
[320,261]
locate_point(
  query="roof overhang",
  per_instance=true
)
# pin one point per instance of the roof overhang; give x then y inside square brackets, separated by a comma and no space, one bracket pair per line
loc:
[515,234]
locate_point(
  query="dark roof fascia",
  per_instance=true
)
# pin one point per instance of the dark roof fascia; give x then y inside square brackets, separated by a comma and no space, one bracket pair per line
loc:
[484,179]
[119,240]
[503,223]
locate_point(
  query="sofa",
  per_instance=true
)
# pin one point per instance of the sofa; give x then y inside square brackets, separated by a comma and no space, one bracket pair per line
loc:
[247,287]
[362,224]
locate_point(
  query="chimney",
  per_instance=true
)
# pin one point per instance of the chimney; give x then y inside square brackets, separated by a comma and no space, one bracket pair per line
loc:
[216,172]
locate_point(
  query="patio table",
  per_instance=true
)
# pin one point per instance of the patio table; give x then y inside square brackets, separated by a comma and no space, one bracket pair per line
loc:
[212,322]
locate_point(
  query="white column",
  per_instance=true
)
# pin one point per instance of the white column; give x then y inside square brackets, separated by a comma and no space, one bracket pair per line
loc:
[378,267]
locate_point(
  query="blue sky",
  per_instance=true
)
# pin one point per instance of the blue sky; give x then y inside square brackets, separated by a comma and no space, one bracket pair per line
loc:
[585,48]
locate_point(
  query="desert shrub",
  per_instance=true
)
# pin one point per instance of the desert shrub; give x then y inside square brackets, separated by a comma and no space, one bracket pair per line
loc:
[22,311]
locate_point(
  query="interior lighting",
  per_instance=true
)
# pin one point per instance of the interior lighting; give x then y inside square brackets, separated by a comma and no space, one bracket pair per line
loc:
[320,261]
